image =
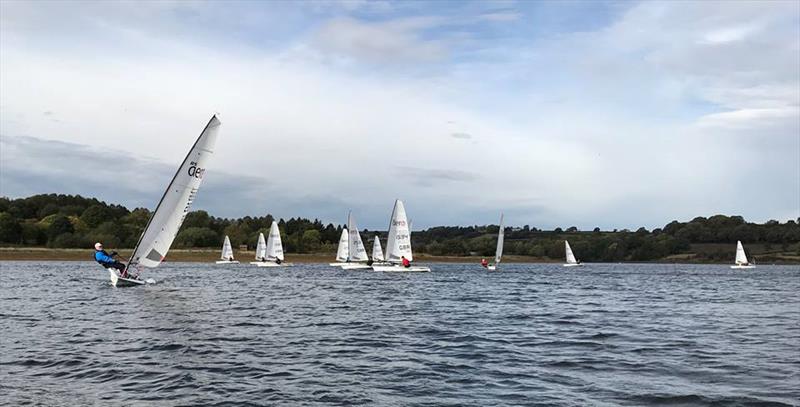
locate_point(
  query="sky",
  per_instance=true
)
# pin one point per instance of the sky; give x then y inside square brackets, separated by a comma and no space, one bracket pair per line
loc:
[607,114]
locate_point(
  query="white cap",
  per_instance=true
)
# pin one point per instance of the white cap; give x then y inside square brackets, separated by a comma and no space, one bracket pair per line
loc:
[98,246]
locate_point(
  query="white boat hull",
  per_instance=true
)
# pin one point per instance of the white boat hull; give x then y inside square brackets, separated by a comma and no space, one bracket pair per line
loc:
[491,268]
[118,281]
[227,262]
[742,266]
[337,264]
[356,266]
[573,264]
[401,269]
[271,264]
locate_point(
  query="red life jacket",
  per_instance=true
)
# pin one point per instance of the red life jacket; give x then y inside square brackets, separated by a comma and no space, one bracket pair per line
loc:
[406,263]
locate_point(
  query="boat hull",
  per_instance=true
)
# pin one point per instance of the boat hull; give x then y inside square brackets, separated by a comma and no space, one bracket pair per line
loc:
[572,265]
[745,267]
[118,281]
[401,269]
[491,268]
[227,262]
[337,264]
[271,264]
[356,266]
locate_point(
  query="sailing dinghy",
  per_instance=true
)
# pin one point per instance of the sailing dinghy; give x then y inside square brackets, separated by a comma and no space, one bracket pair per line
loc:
[274,249]
[227,253]
[399,243]
[356,253]
[261,250]
[166,220]
[571,261]
[342,250]
[377,253]
[741,258]
[498,255]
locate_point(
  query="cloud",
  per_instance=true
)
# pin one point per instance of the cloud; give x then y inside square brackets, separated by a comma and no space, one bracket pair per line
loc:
[621,116]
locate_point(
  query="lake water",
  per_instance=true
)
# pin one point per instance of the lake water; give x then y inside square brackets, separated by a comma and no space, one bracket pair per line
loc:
[315,335]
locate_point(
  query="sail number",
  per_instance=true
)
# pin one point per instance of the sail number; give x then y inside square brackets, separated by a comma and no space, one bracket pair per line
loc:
[195,171]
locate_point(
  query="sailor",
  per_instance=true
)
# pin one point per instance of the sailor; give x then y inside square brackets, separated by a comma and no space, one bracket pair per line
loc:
[484,263]
[107,260]
[230,258]
[405,261]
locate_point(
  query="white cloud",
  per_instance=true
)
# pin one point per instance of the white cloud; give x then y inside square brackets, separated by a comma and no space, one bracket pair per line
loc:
[634,124]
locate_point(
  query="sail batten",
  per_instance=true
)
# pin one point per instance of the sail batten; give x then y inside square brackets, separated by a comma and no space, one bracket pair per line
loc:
[166,220]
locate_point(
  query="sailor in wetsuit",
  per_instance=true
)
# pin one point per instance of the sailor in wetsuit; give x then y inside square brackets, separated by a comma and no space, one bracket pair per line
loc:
[107,260]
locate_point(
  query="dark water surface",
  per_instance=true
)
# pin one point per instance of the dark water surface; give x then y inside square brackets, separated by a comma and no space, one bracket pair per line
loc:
[312,335]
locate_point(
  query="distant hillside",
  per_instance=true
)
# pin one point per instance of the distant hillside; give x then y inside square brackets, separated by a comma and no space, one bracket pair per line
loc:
[70,221]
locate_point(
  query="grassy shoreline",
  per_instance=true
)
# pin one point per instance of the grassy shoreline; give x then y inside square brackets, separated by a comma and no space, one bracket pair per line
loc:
[210,255]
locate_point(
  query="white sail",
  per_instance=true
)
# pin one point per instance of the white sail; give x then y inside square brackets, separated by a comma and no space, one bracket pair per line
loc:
[227,250]
[741,258]
[377,250]
[163,226]
[399,243]
[261,247]
[500,237]
[570,257]
[274,245]
[342,251]
[356,251]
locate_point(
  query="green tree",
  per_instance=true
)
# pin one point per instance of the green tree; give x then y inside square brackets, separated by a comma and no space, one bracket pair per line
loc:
[59,225]
[94,215]
[10,229]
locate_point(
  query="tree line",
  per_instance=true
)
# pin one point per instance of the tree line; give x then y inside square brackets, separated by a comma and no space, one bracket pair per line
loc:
[73,221]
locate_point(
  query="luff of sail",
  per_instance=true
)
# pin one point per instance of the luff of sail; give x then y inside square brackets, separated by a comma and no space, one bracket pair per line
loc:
[163,226]
[741,257]
[570,257]
[261,247]
[398,244]
[498,255]
[274,245]
[227,250]
[377,250]
[341,252]
[356,250]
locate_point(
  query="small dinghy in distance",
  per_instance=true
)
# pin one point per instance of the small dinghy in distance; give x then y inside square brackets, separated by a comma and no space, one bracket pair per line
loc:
[498,255]
[274,249]
[399,243]
[261,250]
[571,261]
[226,257]
[166,220]
[342,250]
[741,258]
[356,253]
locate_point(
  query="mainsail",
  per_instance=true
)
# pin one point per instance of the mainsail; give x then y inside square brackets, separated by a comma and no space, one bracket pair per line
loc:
[356,250]
[500,236]
[741,258]
[377,250]
[261,247]
[342,251]
[274,245]
[570,256]
[166,220]
[227,250]
[399,243]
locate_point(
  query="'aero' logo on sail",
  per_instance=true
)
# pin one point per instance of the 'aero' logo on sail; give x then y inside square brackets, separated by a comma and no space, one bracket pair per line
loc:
[195,171]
